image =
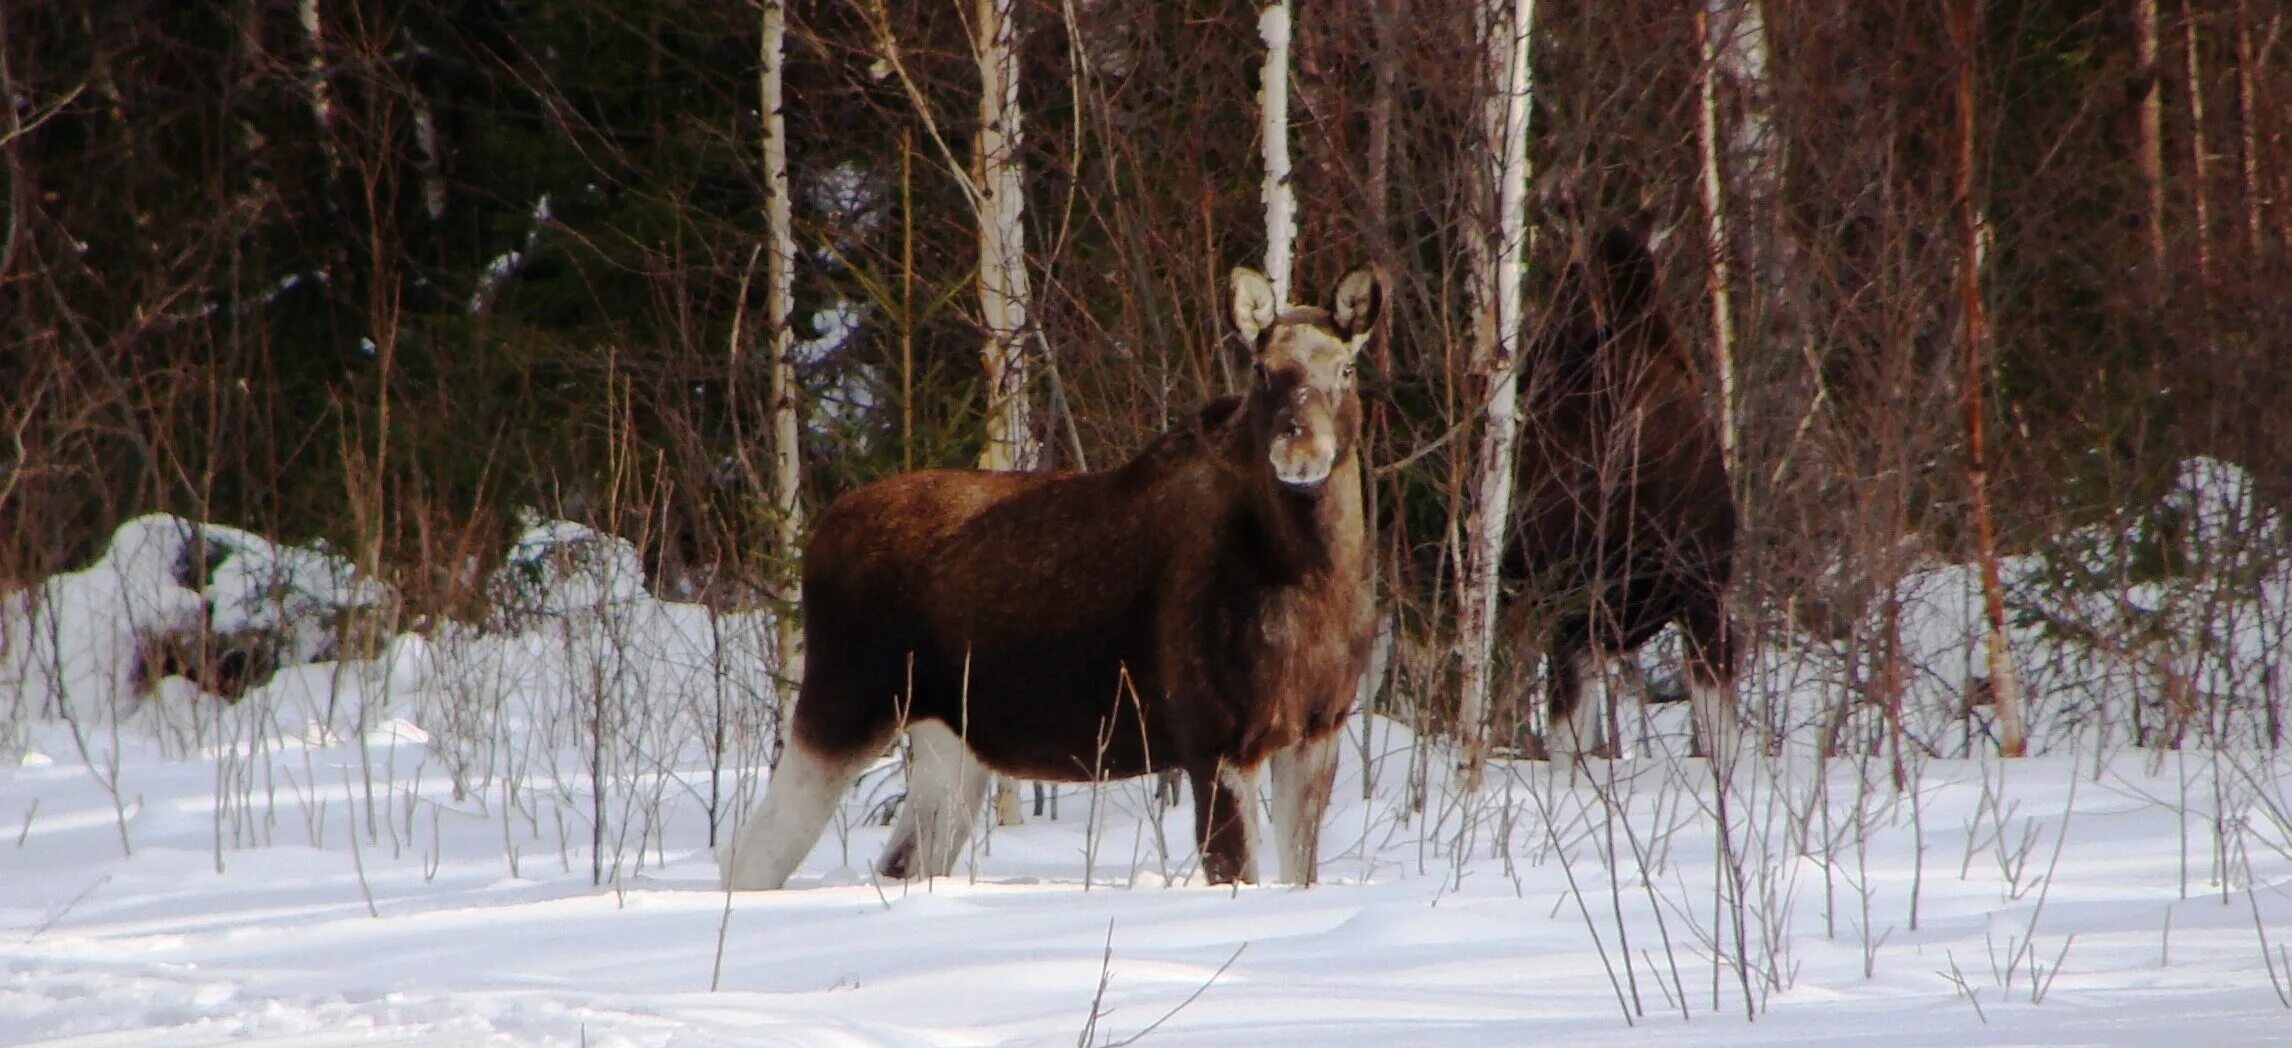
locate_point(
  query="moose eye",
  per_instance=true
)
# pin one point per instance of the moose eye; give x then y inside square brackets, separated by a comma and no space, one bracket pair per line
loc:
[1260,370]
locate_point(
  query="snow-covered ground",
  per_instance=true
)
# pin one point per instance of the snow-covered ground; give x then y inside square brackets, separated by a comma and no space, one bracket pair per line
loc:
[499,834]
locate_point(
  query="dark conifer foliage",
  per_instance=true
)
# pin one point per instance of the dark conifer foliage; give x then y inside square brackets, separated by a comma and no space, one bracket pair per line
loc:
[388,273]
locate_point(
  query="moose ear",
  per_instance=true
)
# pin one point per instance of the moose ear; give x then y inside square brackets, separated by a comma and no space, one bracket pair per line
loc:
[1359,298]
[1254,307]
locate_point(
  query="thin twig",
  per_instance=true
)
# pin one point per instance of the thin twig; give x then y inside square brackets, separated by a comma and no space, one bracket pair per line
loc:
[723,929]
[65,909]
[1181,1006]
[1098,999]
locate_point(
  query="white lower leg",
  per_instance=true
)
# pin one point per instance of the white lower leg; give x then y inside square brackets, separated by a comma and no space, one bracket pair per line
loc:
[1576,733]
[945,784]
[1718,721]
[1301,784]
[797,802]
[1241,785]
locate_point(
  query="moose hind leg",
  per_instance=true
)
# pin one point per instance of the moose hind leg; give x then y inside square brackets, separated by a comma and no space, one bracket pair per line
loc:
[945,784]
[1572,729]
[1711,686]
[1225,821]
[1303,776]
[797,801]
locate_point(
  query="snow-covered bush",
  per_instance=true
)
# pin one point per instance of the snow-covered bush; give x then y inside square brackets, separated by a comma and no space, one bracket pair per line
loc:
[580,678]
[2163,623]
[578,682]
[2169,622]
[172,605]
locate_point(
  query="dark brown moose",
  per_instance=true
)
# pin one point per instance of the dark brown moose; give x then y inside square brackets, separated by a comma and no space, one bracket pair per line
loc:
[1203,607]
[1625,522]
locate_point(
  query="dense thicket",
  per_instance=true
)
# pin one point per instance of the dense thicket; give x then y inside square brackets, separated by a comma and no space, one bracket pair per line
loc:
[387,273]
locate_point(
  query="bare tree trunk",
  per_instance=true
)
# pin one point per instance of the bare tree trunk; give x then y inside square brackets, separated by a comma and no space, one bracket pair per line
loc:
[1273,108]
[2197,158]
[1003,290]
[426,140]
[1499,258]
[1004,293]
[2248,128]
[2152,148]
[779,306]
[2005,685]
[2276,186]
[1744,174]
[994,187]
[321,95]
[1385,14]
[1720,25]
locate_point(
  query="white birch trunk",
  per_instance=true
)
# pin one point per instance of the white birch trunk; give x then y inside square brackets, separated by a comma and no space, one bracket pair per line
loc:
[1004,293]
[779,305]
[1499,264]
[321,96]
[1003,289]
[1273,107]
[1733,34]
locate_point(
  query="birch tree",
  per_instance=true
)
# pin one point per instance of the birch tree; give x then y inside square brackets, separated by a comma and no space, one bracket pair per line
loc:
[779,305]
[993,185]
[315,78]
[1724,29]
[1003,289]
[1498,259]
[2005,685]
[1279,196]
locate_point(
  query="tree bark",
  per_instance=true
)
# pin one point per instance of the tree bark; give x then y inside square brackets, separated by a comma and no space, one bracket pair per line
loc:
[1385,65]
[1499,259]
[2198,161]
[2005,685]
[779,307]
[1004,292]
[1280,197]
[2248,131]
[315,79]
[1720,25]
[2152,147]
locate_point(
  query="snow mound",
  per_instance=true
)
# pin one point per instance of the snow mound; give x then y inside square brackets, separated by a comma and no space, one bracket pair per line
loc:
[72,643]
[557,567]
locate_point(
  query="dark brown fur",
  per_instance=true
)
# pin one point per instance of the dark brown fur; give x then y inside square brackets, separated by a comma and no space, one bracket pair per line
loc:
[1128,605]
[1625,522]
[1184,610]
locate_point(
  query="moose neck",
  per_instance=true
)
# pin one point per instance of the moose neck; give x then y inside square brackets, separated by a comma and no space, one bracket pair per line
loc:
[1304,532]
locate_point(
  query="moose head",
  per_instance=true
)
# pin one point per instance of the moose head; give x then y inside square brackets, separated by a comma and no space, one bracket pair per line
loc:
[1302,402]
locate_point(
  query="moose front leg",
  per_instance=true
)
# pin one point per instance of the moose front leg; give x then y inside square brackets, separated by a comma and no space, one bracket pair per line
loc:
[1225,821]
[1303,776]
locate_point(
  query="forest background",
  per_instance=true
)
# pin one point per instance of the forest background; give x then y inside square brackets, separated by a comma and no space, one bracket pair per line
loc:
[393,275]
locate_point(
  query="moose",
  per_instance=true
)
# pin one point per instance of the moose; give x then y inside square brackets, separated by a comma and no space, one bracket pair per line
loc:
[1202,608]
[1624,521]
